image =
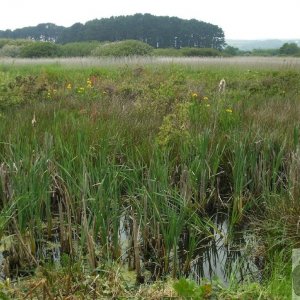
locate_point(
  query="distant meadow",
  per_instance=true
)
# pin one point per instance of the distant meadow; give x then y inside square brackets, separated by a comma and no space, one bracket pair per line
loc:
[197,62]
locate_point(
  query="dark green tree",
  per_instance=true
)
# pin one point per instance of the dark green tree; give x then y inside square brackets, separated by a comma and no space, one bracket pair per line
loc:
[289,49]
[45,32]
[233,51]
[158,32]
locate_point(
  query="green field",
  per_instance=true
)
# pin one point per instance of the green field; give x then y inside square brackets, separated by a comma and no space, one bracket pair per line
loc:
[118,177]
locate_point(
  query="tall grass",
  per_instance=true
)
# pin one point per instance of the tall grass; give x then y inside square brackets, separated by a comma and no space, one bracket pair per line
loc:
[152,151]
[260,63]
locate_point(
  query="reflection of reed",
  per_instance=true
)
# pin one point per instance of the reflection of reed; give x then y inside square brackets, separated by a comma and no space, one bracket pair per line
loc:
[221,258]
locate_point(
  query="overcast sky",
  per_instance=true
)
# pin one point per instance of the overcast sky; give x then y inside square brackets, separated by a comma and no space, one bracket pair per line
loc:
[240,19]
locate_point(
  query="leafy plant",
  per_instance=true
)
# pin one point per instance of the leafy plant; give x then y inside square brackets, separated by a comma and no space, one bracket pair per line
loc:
[188,289]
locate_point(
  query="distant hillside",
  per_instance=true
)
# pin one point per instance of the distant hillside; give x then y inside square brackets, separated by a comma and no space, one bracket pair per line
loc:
[159,32]
[249,45]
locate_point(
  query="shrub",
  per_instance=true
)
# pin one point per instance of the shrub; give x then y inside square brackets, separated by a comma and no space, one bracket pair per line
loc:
[78,48]
[123,48]
[265,52]
[12,47]
[173,52]
[41,49]
[3,42]
[200,52]
[10,50]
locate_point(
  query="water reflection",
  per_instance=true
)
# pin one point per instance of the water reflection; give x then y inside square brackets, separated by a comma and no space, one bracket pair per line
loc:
[225,256]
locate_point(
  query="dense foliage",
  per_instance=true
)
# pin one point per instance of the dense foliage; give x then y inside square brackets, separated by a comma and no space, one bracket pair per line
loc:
[78,48]
[123,48]
[44,49]
[44,31]
[289,49]
[159,32]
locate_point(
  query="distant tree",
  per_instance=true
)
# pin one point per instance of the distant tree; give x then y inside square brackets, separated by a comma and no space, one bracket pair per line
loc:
[159,32]
[231,51]
[289,49]
[45,32]
[75,33]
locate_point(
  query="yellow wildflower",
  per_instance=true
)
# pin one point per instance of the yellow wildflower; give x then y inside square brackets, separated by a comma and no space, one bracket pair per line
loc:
[69,86]
[80,90]
[194,95]
[205,98]
[229,110]
[89,83]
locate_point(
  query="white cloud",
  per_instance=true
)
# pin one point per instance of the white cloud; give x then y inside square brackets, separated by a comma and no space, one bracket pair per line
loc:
[239,19]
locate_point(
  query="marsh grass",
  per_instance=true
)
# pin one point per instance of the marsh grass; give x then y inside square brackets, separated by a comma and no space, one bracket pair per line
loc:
[259,63]
[152,143]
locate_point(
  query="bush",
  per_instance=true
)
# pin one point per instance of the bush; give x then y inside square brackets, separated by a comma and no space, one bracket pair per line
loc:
[78,48]
[187,52]
[265,52]
[200,52]
[173,52]
[3,42]
[123,48]
[10,50]
[41,49]
[12,47]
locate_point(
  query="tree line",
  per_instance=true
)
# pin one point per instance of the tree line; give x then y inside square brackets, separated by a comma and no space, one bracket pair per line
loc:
[157,31]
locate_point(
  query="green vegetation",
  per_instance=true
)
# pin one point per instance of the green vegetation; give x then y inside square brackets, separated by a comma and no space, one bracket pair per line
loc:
[78,49]
[12,48]
[112,177]
[157,31]
[32,49]
[289,49]
[123,48]
[188,52]
[45,31]
[44,49]
[265,52]
[232,51]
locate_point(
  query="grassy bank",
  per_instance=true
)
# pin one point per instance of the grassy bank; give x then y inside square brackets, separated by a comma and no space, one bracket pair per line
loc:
[112,175]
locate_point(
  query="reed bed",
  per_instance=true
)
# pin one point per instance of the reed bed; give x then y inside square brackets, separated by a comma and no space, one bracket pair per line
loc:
[197,62]
[130,161]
